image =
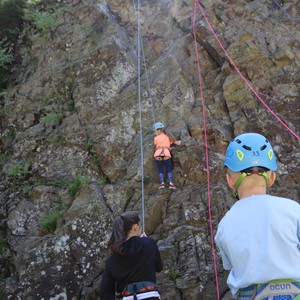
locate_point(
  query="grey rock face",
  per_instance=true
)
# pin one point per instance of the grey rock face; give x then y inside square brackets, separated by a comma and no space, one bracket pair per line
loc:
[70,136]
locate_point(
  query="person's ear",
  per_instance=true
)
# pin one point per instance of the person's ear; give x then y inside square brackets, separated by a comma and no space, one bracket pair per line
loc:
[230,180]
[272,178]
[136,227]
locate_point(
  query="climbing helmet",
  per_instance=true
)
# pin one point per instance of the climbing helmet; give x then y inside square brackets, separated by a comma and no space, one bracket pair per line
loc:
[158,125]
[250,150]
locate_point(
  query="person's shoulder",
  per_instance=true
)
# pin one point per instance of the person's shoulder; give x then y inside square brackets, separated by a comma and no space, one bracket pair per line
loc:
[110,259]
[282,203]
[283,199]
[148,240]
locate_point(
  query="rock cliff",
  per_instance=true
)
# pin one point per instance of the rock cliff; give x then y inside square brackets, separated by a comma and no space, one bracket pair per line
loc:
[70,135]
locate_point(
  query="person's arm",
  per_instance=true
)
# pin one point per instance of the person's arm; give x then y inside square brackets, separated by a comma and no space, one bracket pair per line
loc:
[107,285]
[225,260]
[298,233]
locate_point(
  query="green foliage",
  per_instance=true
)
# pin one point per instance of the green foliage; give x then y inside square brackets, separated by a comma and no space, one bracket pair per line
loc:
[58,138]
[266,133]
[50,221]
[55,116]
[44,22]
[173,273]
[90,149]
[19,170]
[5,58]
[104,180]
[3,112]
[4,249]
[74,187]
[57,95]
[89,145]
[11,18]
[3,157]
[33,1]
[60,95]
[76,184]
[11,24]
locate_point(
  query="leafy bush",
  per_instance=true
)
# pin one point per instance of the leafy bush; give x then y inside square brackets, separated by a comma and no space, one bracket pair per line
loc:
[11,24]
[58,138]
[3,157]
[5,58]
[76,184]
[173,273]
[4,249]
[19,171]
[55,116]
[90,149]
[44,22]
[50,222]
[11,18]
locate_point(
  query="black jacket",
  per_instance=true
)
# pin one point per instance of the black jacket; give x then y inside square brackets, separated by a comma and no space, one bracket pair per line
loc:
[140,262]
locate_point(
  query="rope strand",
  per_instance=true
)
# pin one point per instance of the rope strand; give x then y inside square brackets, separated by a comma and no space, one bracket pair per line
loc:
[206,156]
[147,78]
[241,75]
[140,117]
[197,3]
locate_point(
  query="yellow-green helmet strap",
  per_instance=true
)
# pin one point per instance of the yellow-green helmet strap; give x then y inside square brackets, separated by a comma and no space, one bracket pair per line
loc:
[245,174]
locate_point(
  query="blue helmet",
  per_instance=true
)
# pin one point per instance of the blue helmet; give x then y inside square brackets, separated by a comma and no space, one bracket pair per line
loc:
[250,150]
[158,125]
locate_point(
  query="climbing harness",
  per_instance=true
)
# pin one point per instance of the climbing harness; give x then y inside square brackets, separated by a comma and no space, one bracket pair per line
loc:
[162,153]
[273,290]
[139,290]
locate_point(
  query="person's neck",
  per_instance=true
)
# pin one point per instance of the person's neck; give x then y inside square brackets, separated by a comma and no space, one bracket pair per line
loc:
[244,193]
[131,234]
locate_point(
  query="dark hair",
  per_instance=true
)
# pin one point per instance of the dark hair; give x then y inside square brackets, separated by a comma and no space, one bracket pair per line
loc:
[122,225]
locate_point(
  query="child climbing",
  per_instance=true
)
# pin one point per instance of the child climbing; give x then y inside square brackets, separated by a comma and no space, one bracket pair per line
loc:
[259,237]
[162,154]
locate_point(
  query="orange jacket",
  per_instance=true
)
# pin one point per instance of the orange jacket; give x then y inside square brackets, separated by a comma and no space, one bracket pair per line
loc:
[162,143]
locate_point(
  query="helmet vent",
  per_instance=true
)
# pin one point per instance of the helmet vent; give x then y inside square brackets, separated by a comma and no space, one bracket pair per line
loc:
[263,147]
[238,141]
[247,147]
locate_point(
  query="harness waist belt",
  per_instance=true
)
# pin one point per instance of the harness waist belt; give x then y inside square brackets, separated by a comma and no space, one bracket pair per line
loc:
[139,290]
[286,289]
[146,295]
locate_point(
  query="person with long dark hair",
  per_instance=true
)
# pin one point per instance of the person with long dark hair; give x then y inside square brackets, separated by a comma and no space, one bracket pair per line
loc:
[130,271]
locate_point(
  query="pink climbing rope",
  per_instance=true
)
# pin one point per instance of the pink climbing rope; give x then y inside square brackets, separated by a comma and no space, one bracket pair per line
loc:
[206,156]
[197,3]
[241,75]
